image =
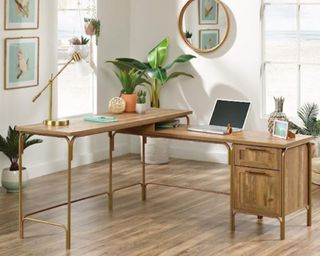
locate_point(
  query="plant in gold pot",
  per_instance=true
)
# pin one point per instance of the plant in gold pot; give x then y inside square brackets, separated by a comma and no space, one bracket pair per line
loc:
[130,79]
[9,146]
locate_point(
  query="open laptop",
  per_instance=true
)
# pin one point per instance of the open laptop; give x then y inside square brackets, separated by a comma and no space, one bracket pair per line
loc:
[224,112]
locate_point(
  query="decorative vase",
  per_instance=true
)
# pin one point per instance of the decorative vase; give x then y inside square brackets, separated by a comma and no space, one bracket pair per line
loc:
[10,180]
[141,108]
[130,100]
[277,114]
[157,151]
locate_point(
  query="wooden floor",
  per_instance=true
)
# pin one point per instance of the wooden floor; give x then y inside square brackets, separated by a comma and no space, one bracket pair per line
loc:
[171,222]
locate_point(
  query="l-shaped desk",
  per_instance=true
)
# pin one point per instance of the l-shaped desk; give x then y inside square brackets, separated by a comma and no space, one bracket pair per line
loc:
[269,176]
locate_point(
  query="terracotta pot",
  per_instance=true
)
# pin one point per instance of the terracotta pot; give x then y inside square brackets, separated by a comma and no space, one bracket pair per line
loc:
[130,100]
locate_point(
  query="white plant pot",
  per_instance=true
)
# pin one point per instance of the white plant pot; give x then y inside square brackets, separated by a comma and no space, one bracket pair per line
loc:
[157,151]
[141,108]
[82,49]
[10,180]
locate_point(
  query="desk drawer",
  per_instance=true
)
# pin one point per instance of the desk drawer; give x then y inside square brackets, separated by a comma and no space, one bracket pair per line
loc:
[260,157]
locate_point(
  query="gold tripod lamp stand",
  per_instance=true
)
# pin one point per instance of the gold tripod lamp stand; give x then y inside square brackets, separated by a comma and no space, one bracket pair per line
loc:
[62,122]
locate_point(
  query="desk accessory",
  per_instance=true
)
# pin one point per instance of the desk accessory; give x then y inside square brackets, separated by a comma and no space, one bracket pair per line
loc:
[101,119]
[280,129]
[277,114]
[117,105]
[83,68]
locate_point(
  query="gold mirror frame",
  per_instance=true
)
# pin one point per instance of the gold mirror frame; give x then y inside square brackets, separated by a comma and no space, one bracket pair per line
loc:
[181,15]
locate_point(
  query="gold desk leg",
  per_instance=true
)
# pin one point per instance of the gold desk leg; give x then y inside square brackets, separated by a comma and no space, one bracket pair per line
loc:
[232,212]
[309,208]
[70,158]
[111,148]
[283,205]
[143,184]
[21,222]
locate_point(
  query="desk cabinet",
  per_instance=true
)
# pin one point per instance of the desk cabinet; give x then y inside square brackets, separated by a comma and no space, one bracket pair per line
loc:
[270,182]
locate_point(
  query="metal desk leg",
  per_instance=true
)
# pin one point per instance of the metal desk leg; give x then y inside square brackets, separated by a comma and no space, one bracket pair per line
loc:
[111,148]
[21,227]
[70,158]
[283,205]
[143,183]
[309,207]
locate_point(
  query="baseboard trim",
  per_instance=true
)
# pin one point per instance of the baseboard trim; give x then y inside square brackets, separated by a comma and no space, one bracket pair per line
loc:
[42,169]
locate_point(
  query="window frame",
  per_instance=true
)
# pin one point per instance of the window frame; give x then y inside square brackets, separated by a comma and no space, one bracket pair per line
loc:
[298,63]
[92,49]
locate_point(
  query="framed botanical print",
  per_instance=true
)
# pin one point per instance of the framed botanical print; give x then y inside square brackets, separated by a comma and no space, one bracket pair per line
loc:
[21,14]
[208,12]
[209,38]
[21,62]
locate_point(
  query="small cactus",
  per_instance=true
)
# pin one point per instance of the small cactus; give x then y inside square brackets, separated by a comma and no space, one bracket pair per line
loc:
[141,99]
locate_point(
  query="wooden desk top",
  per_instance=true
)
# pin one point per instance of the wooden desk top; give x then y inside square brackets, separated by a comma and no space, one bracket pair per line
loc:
[253,138]
[80,128]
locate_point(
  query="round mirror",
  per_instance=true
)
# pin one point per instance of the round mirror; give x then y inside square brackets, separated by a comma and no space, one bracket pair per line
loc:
[204,24]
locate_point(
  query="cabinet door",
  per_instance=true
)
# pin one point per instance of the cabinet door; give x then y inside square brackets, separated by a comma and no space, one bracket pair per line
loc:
[257,191]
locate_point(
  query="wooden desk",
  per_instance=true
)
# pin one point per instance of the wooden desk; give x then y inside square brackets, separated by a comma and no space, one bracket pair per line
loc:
[265,171]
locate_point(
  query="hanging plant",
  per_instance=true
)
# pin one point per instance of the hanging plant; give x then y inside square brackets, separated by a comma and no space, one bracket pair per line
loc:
[92,27]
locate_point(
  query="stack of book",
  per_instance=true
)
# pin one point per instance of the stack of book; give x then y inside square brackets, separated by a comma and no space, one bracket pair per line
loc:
[170,124]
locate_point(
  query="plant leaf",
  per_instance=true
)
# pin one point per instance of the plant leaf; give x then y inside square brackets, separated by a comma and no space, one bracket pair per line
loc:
[133,63]
[181,59]
[176,74]
[158,54]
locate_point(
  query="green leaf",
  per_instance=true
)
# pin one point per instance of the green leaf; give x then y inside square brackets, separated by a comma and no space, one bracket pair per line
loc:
[133,63]
[158,54]
[181,59]
[158,74]
[176,74]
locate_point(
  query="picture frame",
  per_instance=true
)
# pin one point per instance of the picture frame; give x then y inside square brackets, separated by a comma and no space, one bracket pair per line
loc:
[209,38]
[208,12]
[280,129]
[19,14]
[21,62]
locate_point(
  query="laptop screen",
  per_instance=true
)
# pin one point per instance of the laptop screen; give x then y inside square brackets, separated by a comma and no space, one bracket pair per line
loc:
[233,112]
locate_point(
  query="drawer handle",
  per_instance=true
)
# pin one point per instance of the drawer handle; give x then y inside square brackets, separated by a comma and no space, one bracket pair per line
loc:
[259,173]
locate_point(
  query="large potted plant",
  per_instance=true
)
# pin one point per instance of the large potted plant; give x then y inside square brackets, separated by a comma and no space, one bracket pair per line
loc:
[9,146]
[130,78]
[308,115]
[158,73]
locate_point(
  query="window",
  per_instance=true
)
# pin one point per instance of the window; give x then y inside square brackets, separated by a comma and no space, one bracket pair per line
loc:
[75,92]
[291,53]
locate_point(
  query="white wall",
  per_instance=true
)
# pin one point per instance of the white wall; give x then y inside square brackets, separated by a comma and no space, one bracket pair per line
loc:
[16,106]
[231,72]
[132,28]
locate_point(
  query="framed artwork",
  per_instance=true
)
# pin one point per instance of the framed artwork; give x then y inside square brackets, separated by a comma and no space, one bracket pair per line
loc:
[280,129]
[21,14]
[21,62]
[208,12]
[209,38]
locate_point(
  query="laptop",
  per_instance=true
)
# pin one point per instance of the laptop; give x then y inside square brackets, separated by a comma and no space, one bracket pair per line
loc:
[224,112]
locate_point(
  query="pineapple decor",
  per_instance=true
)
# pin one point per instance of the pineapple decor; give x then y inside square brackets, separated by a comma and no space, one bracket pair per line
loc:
[277,114]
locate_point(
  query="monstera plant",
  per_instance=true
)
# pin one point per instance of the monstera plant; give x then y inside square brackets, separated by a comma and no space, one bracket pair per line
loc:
[155,68]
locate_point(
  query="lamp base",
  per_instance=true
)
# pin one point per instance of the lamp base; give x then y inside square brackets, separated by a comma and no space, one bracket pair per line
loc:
[62,122]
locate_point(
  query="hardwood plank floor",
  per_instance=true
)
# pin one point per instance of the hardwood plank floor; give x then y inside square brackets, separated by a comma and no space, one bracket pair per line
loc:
[171,222]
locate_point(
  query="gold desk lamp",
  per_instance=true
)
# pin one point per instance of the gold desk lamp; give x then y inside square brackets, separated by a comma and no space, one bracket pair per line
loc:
[63,122]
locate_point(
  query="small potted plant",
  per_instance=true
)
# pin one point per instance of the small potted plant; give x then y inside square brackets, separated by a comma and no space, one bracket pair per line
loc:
[9,146]
[141,106]
[92,27]
[79,45]
[130,79]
